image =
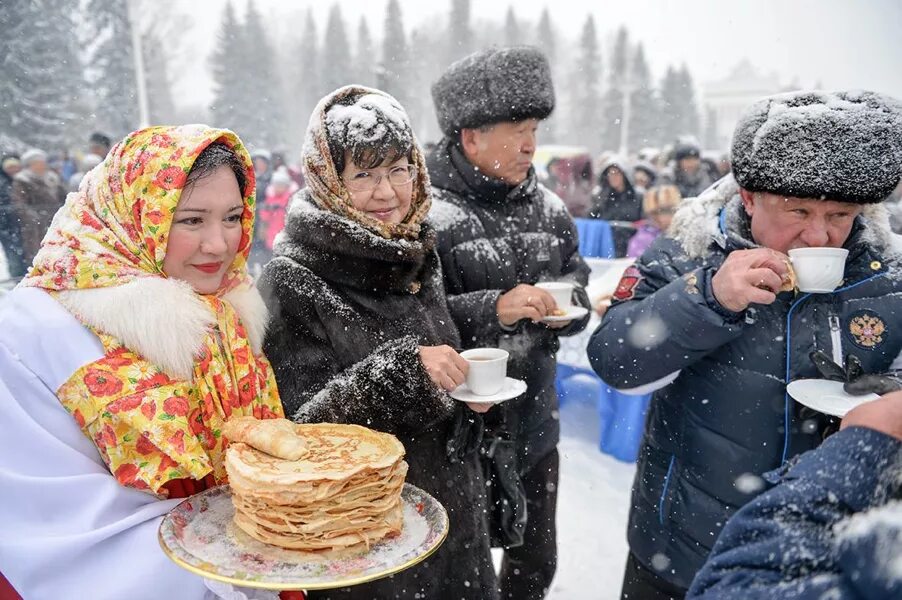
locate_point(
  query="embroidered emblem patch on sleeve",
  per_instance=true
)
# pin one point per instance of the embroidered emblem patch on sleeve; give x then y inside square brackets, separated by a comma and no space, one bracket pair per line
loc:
[867,330]
[626,289]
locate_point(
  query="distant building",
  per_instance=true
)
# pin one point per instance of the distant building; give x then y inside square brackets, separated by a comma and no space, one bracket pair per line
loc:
[726,99]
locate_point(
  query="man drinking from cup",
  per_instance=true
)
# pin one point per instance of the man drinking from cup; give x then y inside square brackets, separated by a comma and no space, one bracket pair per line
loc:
[499,233]
[721,314]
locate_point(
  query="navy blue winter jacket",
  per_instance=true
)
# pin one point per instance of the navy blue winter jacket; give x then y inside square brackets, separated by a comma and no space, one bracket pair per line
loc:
[726,418]
[831,529]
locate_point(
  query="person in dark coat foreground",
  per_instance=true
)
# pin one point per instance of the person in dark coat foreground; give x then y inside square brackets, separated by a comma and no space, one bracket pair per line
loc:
[360,330]
[701,316]
[500,232]
[831,528]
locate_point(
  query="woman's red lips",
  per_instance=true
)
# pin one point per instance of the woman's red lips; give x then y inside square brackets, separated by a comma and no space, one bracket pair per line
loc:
[208,267]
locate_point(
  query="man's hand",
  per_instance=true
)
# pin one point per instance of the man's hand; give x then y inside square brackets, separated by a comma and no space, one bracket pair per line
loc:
[749,277]
[446,368]
[524,302]
[883,414]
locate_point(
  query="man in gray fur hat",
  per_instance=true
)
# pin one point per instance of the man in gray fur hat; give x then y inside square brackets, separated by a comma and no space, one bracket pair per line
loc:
[499,233]
[705,317]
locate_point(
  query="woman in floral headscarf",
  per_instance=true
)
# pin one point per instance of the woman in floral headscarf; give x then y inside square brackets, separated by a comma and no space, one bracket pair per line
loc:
[361,332]
[135,334]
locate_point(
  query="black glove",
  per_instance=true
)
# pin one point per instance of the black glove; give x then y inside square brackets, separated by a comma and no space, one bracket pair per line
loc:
[464,434]
[855,380]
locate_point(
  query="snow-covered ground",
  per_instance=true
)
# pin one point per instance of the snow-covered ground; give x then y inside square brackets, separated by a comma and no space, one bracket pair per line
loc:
[593,502]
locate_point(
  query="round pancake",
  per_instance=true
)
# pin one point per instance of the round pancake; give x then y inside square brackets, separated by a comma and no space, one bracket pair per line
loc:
[336,452]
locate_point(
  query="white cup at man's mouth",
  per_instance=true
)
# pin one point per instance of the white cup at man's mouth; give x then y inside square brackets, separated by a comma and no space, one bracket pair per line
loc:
[818,270]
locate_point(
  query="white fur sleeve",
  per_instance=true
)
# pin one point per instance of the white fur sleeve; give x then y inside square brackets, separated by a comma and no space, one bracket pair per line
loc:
[67,528]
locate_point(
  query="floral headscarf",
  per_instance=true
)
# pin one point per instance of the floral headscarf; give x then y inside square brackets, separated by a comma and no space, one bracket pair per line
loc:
[115,228]
[153,428]
[326,185]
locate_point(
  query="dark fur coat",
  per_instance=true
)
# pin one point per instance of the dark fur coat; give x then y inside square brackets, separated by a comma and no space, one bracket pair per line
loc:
[349,310]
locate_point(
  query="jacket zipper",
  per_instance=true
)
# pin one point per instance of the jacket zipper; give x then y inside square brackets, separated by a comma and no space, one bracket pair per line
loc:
[787,410]
[836,339]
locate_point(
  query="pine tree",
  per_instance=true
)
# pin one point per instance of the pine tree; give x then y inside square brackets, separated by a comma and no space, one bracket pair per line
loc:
[644,112]
[585,109]
[612,107]
[42,79]
[160,105]
[266,120]
[691,124]
[671,122]
[512,35]
[364,61]
[460,35]
[111,66]
[395,58]
[336,56]
[548,43]
[231,106]
[308,87]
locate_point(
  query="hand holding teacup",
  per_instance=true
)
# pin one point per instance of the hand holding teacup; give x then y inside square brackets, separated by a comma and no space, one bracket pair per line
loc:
[446,368]
[750,277]
[524,302]
[562,292]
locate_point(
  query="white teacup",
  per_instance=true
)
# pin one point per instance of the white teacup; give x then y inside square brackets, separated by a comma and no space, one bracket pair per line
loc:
[488,370]
[818,270]
[561,291]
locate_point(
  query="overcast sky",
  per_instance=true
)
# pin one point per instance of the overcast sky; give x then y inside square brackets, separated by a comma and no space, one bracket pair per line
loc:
[839,43]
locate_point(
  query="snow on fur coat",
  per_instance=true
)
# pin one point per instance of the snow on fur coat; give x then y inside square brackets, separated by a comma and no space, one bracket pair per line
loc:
[349,311]
[726,418]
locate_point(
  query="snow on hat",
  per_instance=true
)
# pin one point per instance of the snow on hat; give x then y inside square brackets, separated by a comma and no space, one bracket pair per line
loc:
[844,146]
[32,155]
[494,85]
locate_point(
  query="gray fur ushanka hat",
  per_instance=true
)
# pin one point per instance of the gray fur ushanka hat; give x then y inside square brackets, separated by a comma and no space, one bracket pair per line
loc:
[491,86]
[844,146]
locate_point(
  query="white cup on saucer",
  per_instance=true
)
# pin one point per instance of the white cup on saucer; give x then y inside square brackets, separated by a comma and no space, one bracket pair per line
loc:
[561,291]
[818,270]
[488,370]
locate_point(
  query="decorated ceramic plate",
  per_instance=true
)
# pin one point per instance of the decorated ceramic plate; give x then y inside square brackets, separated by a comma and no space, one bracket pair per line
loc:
[199,535]
[826,396]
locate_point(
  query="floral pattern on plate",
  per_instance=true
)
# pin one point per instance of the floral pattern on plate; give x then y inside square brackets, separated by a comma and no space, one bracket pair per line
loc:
[200,536]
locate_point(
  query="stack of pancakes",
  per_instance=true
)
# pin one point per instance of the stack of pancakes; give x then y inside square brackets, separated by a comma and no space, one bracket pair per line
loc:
[324,488]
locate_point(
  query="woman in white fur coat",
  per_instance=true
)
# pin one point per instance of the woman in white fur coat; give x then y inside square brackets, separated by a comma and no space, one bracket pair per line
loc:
[136,333]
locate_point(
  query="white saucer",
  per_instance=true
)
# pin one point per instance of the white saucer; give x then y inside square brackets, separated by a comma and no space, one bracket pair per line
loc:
[573,312]
[826,396]
[511,389]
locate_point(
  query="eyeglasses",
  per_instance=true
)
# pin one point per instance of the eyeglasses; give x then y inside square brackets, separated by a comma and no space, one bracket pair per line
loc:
[367,181]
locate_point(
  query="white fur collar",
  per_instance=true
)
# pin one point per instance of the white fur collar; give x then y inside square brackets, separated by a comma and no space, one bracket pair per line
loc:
[163,320]
[697,222]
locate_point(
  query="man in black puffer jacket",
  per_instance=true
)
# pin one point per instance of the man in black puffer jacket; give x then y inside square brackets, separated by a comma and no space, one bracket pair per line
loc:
[500,232]
[702,315]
